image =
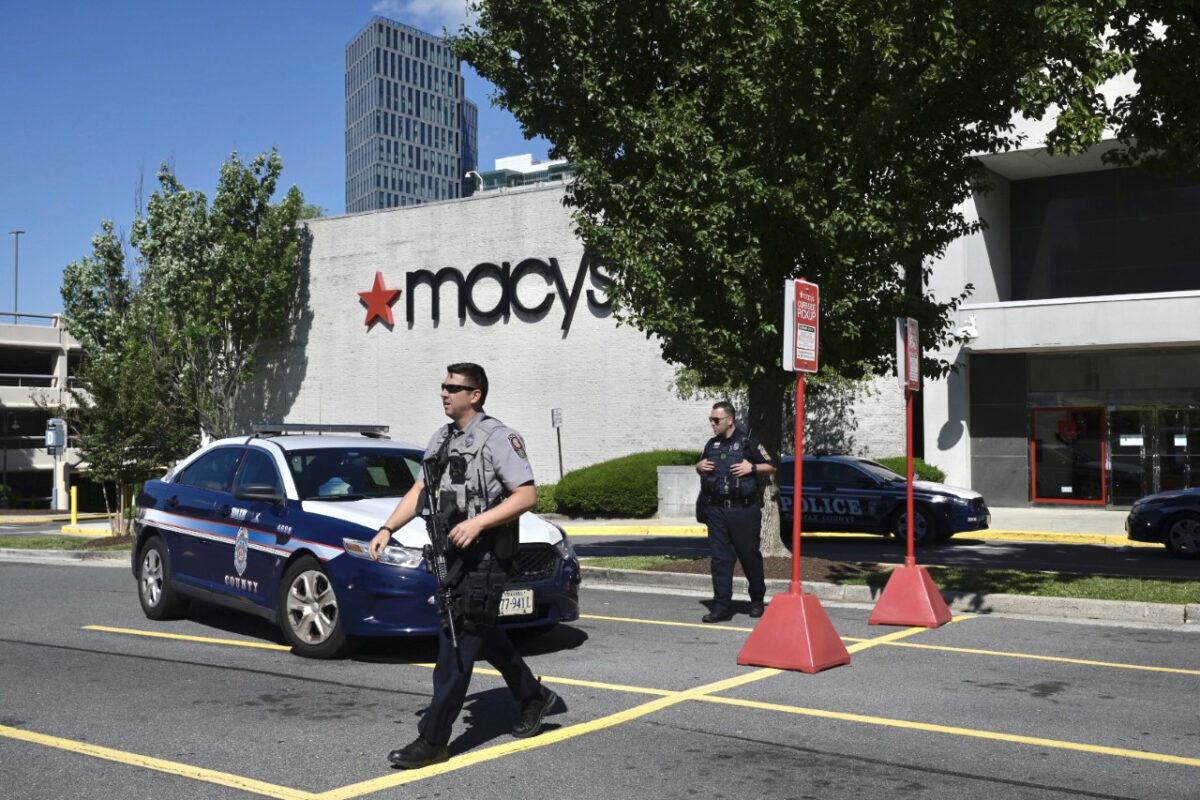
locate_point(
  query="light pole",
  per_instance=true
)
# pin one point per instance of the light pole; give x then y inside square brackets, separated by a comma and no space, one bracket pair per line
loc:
[16,270]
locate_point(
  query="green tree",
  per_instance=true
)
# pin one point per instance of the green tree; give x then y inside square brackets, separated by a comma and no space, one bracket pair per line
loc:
[217,280]
[129,424]
[722,148]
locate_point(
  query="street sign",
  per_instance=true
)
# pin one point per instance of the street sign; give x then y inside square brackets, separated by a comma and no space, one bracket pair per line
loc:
[908,354]
[801,328]
[556,417]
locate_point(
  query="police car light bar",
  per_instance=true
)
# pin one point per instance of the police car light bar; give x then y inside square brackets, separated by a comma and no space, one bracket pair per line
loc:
[281,428]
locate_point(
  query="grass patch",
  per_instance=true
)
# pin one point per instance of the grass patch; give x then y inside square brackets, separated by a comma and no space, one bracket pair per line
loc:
[978,581]
[58,543]
[1054,584]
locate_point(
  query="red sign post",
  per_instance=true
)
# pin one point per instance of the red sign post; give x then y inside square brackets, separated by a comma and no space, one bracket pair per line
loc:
[795,632]
[911,597]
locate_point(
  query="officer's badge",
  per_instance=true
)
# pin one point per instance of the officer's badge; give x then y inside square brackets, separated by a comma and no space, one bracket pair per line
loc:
[241,548]
[737,445]
[517,445]
[470,441]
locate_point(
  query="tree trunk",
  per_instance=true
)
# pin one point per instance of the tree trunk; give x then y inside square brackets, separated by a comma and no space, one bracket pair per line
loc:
[767,395]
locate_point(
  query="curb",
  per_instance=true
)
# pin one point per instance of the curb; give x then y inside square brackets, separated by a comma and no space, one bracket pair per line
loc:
[47,518]
[969,602]
[55,556]
[964,537]
[85,533]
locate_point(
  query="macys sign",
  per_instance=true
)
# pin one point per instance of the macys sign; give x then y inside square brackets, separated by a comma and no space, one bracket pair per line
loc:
[527,275]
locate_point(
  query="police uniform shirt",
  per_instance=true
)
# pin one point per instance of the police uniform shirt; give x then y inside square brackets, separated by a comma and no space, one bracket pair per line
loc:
[735,449]
[505,462]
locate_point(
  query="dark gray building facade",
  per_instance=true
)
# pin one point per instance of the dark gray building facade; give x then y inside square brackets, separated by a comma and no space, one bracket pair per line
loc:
[411,135]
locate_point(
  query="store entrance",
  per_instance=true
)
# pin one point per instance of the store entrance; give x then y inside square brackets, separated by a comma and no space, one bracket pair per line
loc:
[1153,450]
[1067,456]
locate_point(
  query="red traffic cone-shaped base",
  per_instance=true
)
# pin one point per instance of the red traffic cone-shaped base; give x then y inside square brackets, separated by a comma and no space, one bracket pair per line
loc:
[911,598]
[795,634]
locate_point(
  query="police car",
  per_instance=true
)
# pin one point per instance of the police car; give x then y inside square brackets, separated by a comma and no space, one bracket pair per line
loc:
[845,493]
[279,526]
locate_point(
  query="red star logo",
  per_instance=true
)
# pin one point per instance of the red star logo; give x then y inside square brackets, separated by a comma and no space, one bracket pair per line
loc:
[379,302]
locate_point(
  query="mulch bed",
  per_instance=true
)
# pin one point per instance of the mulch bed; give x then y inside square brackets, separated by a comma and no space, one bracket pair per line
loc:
[811,569]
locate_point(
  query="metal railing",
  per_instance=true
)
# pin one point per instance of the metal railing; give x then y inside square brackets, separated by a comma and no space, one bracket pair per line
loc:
[15,318]
[28,379]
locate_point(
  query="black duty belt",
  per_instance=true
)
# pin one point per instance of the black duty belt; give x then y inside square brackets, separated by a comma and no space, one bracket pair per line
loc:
[731,502]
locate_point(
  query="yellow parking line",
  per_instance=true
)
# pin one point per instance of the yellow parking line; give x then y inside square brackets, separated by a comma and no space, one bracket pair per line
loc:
[181,637]
[1056,659]
[613,687]
[158,765]
[543,740]
[1057,744]
[670,623]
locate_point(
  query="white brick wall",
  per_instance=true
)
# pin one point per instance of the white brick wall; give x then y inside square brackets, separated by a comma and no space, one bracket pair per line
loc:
[611,382]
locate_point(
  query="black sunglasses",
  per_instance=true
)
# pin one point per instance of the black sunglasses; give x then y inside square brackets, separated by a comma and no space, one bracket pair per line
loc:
[715,420]
[455,388]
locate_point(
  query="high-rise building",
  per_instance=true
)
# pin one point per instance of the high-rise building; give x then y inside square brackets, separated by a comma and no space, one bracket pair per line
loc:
[411,135]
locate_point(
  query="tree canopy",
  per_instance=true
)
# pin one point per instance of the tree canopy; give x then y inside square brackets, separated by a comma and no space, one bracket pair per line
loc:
[722,148]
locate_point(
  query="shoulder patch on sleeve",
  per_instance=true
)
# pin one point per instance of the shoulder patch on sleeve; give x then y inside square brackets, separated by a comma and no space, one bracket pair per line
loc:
[763,451]
[517,445]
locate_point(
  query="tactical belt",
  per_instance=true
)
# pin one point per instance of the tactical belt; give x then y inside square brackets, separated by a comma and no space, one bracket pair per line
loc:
[731,502]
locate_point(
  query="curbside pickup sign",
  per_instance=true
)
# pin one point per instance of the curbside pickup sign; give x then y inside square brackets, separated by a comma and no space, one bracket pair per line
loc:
[801,334]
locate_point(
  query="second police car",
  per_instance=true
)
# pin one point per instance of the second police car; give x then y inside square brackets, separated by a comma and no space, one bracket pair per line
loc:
[845,493]
[279,526]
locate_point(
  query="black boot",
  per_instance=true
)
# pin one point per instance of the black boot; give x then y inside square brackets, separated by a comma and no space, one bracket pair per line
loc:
[532,712]
[419,753]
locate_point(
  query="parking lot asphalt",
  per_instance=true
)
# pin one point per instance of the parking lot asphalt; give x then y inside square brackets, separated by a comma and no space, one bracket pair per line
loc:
[97,701]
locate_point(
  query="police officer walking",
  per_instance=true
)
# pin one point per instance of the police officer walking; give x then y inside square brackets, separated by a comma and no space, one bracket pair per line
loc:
[730,505]
[485,484]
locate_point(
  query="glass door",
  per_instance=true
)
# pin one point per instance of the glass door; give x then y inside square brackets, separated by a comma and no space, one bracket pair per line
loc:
[1131,442]
[1067,455]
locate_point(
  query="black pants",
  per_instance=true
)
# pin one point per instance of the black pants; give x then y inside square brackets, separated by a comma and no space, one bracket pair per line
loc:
[734,533]
[450,682]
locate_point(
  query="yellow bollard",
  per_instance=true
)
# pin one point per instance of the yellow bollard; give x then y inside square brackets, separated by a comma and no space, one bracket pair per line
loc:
[74,505]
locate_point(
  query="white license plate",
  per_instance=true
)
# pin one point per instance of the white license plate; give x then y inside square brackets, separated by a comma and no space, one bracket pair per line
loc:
[516,603]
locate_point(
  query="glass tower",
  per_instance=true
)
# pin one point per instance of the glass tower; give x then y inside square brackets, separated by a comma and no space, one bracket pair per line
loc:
[411,135]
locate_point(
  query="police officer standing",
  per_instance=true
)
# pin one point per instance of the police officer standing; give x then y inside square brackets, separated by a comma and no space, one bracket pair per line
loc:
[730,505]
[486,483]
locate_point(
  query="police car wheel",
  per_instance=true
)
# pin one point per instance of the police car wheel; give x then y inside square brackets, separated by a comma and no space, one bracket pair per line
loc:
[1183,535]
[155,592]
[309,614]
[925,529]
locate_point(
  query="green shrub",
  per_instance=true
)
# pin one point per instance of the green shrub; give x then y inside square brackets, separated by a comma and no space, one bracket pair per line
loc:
[621,487]
[921,470]
[546,503]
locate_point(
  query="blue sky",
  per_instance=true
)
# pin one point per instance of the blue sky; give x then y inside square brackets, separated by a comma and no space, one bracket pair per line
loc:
[94,95]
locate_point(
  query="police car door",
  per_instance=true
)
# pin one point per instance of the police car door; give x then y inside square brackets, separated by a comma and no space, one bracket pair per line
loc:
[191,511]
[852,497]
[262,525]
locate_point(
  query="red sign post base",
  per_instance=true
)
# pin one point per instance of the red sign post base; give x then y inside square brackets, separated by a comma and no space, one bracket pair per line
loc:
[795,634]
[911,598]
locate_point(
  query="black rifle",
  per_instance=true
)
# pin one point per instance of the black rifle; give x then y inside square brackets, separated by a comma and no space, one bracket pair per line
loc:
[435,554]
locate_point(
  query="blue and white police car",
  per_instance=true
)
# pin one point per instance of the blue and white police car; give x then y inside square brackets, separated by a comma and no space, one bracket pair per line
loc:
[845,493]
[279,525]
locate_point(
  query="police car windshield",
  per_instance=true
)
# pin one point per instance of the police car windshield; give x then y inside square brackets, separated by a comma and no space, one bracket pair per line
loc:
[345,473]
[879,471]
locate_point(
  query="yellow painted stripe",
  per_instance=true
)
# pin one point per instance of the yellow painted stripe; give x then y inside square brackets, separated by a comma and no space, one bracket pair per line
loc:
[613,687]
[670,623]
[1055,659]
[157,764]
[82,532]
[182,638]
[542,740]
[699,531]
[1057,744]
[886,638]
[636,530]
